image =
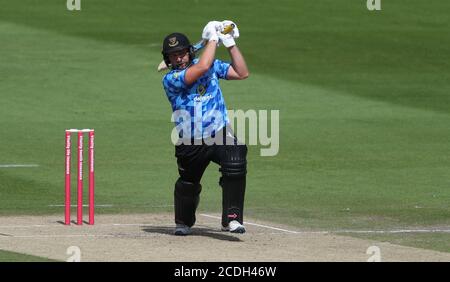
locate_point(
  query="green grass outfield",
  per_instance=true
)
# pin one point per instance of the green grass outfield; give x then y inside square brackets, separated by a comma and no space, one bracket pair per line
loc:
[6,256]
[364,101]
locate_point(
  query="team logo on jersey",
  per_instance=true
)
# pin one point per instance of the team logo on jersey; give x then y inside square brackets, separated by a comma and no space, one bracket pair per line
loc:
[201,89]
[173,42]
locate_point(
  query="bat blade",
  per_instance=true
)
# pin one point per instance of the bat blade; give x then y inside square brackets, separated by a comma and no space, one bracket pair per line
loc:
[162,66]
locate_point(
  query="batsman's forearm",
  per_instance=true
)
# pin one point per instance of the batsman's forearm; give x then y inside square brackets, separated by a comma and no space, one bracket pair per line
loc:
[208,56]
[238,62]
[196,71]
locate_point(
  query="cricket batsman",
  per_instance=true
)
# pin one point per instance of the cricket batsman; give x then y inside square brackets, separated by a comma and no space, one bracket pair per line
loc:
[203,128]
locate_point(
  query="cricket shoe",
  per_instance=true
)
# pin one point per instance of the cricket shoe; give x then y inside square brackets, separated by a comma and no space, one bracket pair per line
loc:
[234,227]
[182,230]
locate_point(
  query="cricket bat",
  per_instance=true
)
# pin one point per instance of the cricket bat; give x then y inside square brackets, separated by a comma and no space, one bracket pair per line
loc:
[197,47]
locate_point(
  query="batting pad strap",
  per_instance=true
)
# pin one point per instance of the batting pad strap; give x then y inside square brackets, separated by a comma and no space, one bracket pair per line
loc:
[234,169]
[185,188]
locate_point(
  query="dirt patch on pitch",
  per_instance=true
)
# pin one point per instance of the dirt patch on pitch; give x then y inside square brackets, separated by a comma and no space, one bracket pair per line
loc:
[148,237]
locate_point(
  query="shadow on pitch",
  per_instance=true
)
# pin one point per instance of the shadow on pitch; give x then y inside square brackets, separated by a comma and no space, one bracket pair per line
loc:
[196,231]
[72,222]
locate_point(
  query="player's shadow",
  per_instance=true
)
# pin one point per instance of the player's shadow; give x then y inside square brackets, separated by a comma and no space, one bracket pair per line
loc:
[196,231]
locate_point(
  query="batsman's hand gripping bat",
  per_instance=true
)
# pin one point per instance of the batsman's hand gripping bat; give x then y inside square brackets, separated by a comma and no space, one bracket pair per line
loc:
[197,47]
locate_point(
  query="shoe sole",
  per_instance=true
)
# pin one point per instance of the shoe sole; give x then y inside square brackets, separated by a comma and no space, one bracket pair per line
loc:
[182,232]
[239,230]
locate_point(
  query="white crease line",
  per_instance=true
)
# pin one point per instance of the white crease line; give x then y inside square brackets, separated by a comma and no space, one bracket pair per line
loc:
[17,165]
[9,236]
[58,225]
[395,231]
[84,206]
[130,224]
[81,236]
[24,226]
[344,231]
[60,236]
[107,206]
[247,223]
[259,225]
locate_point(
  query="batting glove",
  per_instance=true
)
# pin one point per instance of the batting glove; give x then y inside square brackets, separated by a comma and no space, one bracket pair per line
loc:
[226,39]
[210,31]
[235,31]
